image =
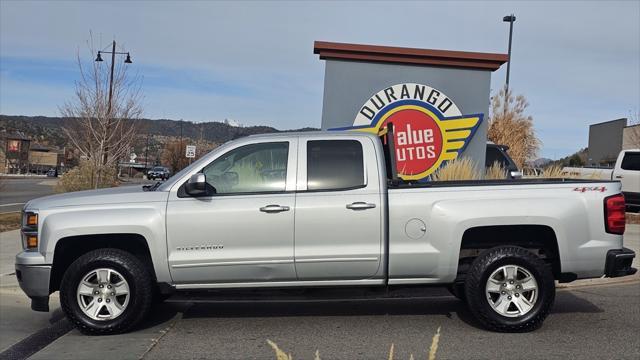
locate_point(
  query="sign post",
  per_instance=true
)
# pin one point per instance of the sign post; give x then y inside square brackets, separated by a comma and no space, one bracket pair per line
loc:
[190,152]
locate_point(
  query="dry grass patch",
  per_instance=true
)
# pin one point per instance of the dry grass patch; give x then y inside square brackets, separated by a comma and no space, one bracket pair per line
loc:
[431,355]
[457,169]
[467,169]
[10,221]
[495,172]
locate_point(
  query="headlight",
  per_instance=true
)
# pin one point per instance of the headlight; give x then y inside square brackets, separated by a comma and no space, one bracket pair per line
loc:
[29,231]
[29,241]
[31,219]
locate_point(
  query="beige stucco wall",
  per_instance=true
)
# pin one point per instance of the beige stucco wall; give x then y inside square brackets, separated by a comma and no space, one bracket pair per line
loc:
[631,137]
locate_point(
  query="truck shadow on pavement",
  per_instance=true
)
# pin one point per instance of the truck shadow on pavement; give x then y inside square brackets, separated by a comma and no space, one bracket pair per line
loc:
[566,302]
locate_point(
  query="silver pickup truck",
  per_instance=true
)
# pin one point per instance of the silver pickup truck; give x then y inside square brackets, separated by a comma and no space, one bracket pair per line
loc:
[318,210]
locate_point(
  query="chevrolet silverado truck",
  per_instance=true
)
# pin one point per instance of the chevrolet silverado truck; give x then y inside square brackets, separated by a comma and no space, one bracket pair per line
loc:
[306,211]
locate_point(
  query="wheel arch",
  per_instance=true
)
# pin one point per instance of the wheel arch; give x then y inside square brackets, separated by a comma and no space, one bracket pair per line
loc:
[540,239]
[70,248]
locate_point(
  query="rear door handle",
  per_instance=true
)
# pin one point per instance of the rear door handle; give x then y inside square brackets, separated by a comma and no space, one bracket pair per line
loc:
[359,205]
[274,208]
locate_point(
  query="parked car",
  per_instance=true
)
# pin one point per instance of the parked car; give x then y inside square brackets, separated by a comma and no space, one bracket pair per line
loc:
[316,210]
[158,172]
[52,173]
[498,153]
[627,171]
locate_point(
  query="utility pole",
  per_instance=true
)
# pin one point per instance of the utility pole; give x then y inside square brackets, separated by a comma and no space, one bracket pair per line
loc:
[146,154]
[510,19]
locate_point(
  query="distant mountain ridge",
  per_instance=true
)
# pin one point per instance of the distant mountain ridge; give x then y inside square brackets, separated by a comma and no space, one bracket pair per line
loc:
[48,130]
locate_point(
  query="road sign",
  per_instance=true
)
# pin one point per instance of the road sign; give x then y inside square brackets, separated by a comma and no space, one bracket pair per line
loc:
[132,157]
[191,151]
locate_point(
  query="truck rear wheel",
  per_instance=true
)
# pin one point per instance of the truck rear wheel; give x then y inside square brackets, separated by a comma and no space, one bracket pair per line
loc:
[509,289]
[106,291]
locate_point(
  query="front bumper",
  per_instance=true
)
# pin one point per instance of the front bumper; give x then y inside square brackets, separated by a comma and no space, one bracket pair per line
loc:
[619,263]
[33,277]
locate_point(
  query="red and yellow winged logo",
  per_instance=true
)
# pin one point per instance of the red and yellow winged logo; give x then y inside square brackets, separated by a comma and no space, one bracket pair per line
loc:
[423,139]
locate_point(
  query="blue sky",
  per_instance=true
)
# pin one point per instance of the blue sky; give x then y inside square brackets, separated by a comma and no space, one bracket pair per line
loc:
[577,62]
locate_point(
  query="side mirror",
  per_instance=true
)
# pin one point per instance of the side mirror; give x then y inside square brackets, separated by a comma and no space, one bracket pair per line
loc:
[197,185]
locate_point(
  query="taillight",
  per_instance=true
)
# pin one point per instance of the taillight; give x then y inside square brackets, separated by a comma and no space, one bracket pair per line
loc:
[614,214]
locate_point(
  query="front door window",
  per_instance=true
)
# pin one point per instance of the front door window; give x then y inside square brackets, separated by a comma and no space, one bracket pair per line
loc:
[255,168]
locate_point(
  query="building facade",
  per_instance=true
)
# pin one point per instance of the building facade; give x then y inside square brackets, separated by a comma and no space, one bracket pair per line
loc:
[605,142]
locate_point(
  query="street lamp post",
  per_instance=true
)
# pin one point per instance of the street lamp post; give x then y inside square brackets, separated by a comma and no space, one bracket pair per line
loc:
[113,53]
[510,19]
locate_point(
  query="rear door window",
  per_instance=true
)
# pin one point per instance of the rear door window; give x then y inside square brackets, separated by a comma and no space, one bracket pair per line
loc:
[631,161]
[334,165]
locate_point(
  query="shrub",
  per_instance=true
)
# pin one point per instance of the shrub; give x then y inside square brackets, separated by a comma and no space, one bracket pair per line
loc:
[84,177]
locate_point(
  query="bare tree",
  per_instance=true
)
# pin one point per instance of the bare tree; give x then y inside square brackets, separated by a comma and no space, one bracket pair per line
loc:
[102,132]
[174,155]
[508,125]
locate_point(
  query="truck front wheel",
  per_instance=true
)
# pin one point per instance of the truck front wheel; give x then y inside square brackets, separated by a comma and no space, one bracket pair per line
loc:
[509,289]
[106,291]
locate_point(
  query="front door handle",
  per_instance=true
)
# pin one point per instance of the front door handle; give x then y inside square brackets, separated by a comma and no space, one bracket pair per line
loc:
[274,208]
[619,176]
[359,205]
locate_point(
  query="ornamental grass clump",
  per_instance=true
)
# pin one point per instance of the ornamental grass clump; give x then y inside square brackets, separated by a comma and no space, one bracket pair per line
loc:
[457,169]
[509,125]
[495,172]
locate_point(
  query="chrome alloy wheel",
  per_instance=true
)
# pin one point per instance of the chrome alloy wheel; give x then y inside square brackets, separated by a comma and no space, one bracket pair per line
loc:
[511,291]
[103,294]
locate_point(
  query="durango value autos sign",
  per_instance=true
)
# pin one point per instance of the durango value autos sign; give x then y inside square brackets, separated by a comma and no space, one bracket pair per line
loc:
[429,127]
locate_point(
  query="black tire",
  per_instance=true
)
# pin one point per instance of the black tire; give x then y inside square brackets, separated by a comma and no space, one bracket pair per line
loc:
[159,298]
[484,265]
[140,291]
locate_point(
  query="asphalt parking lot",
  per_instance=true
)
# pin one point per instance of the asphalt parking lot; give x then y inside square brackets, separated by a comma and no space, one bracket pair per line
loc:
[590,319]
[17,191]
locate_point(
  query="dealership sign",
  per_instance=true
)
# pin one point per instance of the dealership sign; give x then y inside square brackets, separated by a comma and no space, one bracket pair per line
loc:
[429,127]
